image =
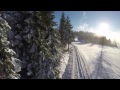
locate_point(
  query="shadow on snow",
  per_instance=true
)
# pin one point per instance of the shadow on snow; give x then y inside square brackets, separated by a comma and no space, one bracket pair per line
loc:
[100,72]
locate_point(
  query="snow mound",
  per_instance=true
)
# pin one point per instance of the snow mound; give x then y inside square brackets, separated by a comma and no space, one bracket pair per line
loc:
[63,63]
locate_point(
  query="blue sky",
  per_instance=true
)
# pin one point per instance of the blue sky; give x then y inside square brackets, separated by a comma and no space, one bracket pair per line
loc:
[90,20]
[74,17]
[93,18]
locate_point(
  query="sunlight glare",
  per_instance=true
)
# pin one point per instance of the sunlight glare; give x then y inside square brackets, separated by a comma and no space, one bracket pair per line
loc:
[103,29]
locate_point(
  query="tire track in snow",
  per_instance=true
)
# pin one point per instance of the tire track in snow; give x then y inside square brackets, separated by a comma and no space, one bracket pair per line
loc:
[73,64]
[81,65]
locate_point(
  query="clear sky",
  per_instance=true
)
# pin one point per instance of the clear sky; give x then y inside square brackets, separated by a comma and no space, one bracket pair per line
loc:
[75,16]
[91,20]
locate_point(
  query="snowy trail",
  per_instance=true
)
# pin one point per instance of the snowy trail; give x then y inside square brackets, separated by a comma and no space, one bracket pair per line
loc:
[87,61]
[81,67]
[100,63]
[76,68]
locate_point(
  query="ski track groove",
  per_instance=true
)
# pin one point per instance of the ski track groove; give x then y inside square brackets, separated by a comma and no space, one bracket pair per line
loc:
[81,66]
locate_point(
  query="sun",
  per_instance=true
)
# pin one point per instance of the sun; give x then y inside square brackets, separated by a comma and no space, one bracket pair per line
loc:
[103,26]
[103,29]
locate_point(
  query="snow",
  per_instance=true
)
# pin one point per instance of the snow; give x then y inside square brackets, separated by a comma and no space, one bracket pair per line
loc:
[102,64]
[17,64]
[10,51]
[4,23]
[63,64]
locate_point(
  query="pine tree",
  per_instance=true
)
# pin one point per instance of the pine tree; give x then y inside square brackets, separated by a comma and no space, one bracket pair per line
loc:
[35,42]
[114,43]
[20,36]
[62,30]
[9,64]
[103,41]
[109,41]
[68,33]
[48,46]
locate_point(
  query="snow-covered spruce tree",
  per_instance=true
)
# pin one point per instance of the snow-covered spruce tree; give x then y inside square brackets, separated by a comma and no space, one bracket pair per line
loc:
[62,30]
[48,44]
[65,30]
[34,41]
[68,31]
[19,36]
[9,65]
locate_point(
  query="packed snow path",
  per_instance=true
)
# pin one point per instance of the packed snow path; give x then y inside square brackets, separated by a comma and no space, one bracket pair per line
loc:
[76,68]
[88,61]
[80,69]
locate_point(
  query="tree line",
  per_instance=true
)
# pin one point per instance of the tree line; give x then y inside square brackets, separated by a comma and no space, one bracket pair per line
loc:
[29,44]
[90,37]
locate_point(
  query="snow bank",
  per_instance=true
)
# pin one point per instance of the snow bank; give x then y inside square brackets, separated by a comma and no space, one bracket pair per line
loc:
[63,63]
